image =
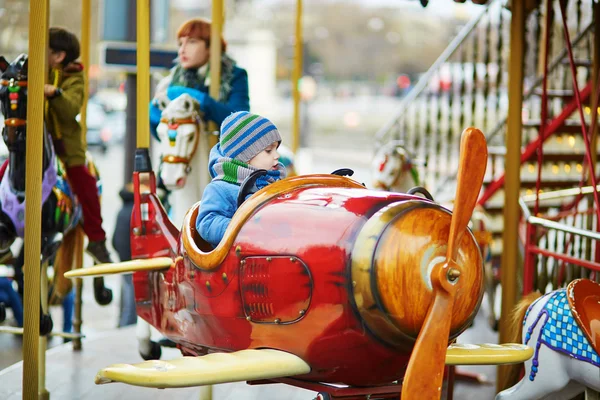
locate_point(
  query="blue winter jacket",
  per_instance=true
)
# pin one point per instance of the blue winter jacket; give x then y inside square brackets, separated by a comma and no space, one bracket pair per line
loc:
[214,110]
[219,203]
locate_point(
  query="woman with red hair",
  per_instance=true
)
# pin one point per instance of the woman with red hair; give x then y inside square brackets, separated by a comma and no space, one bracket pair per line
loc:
[191,75]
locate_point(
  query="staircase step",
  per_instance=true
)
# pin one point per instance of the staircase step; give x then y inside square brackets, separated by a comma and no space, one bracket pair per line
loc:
[570,126]
[555,157]
[560,93]
[581,62]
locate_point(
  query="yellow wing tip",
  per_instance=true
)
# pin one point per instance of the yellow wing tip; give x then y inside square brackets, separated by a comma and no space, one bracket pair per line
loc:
[210,369]
[487,354]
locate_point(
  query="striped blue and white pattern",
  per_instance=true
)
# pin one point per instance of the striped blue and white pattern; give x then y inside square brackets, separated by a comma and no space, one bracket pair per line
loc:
[244,135]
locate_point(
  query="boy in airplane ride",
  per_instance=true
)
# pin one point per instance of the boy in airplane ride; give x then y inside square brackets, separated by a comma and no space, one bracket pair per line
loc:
[248,142]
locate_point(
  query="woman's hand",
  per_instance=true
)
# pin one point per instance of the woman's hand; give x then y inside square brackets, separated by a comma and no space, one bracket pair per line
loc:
[49,90]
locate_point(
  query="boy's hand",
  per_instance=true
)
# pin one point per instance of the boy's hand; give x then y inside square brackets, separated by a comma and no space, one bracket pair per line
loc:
[49,90]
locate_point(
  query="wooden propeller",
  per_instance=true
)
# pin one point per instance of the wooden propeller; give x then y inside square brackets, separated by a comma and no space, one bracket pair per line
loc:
[424,375]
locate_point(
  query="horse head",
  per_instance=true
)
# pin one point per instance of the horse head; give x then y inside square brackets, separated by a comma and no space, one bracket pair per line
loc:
[13,100]
[393,168]
[179,134]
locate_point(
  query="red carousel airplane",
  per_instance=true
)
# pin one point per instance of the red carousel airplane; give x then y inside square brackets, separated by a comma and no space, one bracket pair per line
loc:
[317,281]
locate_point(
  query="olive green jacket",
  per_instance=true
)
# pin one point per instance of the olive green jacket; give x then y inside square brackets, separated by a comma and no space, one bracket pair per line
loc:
[61,113]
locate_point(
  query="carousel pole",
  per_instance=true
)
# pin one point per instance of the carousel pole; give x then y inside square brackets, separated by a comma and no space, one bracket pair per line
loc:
[143,73]
[33,348]
[297,74]
[512,165]
[216,32]
[85,59]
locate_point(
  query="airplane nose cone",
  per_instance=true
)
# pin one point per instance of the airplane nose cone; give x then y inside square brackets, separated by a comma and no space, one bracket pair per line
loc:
[391,265]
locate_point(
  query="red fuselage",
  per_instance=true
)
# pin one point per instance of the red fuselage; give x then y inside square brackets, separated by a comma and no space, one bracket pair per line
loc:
[286,284]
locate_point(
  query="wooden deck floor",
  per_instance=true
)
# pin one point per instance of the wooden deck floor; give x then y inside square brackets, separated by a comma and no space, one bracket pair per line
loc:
[70,374]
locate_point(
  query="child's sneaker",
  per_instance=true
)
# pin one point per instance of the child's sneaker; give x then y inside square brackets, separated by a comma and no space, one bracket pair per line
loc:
[99,252]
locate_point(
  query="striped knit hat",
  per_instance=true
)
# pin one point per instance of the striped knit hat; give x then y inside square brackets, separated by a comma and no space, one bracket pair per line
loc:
[244,135]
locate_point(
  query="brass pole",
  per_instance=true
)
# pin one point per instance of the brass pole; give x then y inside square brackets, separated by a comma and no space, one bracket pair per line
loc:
[297,74]
[216,32]
[85,60]
[512,168]
[143,73]
[38,72]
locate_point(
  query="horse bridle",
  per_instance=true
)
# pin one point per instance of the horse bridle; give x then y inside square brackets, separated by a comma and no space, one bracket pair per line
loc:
[175,122]
[14,122]
[406,166]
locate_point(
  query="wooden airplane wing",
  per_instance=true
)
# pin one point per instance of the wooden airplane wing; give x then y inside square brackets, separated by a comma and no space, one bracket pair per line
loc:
[487,354]
[210,369]
[125,267]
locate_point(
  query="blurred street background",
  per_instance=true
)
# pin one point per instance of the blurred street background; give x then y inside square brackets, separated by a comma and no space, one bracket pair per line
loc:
[360,58]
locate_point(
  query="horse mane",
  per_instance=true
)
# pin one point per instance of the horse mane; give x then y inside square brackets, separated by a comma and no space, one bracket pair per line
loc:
[512,372]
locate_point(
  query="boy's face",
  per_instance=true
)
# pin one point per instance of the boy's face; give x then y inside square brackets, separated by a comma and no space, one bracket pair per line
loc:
[55,58]
[266,159]
[192,52]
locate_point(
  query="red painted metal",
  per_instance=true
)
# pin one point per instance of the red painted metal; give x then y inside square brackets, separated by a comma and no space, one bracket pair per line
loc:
[340,392]
[529,151]
[285,284]
[204,312]
[559,256]
[586,139]
[529,267]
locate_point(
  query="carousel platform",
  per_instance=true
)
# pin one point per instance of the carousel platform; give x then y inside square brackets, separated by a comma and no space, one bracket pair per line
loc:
[70,375]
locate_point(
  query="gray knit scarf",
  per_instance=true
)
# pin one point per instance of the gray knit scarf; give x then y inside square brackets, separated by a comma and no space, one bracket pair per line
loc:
[195,79]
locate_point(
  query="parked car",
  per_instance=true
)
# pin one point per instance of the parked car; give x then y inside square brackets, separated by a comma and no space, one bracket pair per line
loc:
[98,132]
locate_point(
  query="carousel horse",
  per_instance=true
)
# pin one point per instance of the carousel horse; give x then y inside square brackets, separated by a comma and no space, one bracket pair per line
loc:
[394,168]
[182,170]
[562,327]
[62,235]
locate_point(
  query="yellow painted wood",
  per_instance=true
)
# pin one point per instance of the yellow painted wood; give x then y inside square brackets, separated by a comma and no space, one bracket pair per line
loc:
[38,72]
[143,73]
[151,264]
[86,23]
[239,366]
[487,354]
[216,32]
[512,168]
[297,74]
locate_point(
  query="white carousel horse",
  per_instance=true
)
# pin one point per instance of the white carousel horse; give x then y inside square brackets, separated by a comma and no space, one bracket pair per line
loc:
[393,168]
[184,168]
[562,327]
[184,162]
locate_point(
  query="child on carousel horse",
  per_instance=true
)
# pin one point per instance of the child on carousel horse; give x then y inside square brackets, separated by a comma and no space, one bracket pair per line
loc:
[64,96]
